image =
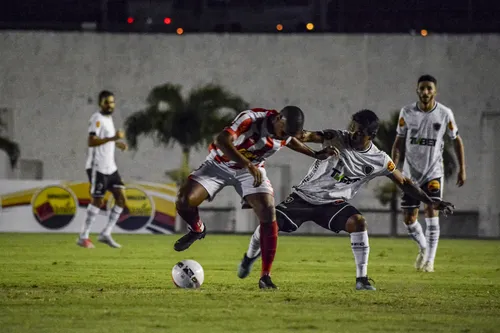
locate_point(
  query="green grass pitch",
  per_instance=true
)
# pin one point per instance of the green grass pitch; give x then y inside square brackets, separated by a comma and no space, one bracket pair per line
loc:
[48,284]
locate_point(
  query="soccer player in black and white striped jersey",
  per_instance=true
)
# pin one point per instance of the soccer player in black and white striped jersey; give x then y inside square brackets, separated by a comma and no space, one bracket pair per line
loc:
[102,170]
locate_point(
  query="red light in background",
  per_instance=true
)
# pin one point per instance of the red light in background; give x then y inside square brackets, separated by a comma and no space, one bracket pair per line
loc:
[130,20]
[167,20]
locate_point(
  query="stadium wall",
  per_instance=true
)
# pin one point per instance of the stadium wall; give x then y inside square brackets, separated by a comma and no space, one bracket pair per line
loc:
[50,80]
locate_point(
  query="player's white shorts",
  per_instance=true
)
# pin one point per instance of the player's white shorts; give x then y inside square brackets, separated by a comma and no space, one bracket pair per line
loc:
[214,176]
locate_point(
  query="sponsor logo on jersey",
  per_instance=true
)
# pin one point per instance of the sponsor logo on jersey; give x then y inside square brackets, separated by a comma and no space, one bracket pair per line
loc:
[98,124]
[341,178]
[422,141]
[248,154]
[433,186]
[391,166]
[54,207]
[367,169]
[138,212]
[450,126]
[288,199]
[401,122]
[437,126]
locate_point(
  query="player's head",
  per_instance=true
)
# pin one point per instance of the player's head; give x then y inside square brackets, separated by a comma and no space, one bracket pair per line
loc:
[426,88]
[289,122]
[364,127]
[106,102]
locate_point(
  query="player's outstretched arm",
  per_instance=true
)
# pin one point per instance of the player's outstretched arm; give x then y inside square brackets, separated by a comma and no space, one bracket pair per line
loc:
[411,189]
[323,154]
[312,136]
[95,141]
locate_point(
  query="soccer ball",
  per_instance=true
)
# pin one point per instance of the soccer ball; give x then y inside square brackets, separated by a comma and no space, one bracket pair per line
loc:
[188,274]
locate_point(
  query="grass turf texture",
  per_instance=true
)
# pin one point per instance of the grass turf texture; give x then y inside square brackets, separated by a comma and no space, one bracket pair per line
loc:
[48,284]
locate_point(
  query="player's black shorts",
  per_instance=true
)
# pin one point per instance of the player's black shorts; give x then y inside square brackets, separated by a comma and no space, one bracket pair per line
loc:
[294,211]
[100,183]
[432,188]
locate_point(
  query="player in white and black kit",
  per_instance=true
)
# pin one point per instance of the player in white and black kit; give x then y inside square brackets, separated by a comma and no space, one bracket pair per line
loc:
[420,135]
[322,196]
[102,170]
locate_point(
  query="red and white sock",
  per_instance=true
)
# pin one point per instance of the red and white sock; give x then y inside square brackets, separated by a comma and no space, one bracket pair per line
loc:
[268,245]
[192,218]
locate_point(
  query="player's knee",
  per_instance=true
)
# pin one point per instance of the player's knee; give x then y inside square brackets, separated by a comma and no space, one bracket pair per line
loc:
[430,211]
[356,223]
[120,201]
[186,200]
[97,201]
[266,213]
[410,216]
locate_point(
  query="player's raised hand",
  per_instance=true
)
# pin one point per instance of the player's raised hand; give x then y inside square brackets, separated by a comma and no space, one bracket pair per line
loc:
[445,207]
[461,178]
[121,145]
[120,134]
[257,175]
[327,152]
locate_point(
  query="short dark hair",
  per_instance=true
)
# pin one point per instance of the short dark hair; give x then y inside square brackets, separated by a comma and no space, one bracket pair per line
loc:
[427,78]
[368,119]
[104,94]
[294,118]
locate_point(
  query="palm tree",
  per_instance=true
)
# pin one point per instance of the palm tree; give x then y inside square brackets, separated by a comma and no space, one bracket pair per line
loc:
[10,147]
[389,193]
[190,122]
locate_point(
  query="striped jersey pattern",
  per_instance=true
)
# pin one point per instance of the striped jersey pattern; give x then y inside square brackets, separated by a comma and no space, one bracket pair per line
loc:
[251,138]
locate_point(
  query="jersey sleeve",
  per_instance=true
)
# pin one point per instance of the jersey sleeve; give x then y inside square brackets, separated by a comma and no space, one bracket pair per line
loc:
[389,166]
[95,126]
[401,129]
[451,126]
[241,124]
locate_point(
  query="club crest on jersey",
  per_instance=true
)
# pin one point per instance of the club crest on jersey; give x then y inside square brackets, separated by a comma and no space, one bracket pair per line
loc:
[367,169]
[437,126]
[434,186]
[391,166]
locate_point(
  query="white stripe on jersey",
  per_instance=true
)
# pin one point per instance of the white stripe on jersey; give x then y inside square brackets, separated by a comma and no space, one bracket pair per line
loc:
[342,177]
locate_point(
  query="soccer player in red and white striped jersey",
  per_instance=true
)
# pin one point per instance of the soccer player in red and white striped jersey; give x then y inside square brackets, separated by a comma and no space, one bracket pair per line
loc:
[237,159]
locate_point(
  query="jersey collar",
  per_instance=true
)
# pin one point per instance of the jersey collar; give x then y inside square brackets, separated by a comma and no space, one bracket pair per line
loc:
[434,108]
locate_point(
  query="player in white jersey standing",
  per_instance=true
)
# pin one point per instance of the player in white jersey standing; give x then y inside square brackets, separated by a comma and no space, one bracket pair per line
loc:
[102,170]
[322,196]
[420,136]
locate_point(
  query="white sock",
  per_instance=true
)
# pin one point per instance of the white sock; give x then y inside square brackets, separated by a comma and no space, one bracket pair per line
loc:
[254,246]
[92,212]
[432,234]
[361,250]
[113,218]
[416,232]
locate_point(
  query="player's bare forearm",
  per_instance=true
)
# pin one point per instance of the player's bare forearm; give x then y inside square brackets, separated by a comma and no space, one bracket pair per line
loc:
[460,152]
[416,192]
[299,147]
[95,141]
[312,136]
[409,187]
[397,149]
[224,141]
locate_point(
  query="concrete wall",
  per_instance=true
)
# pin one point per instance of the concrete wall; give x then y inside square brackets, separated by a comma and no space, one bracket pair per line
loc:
[50,81]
